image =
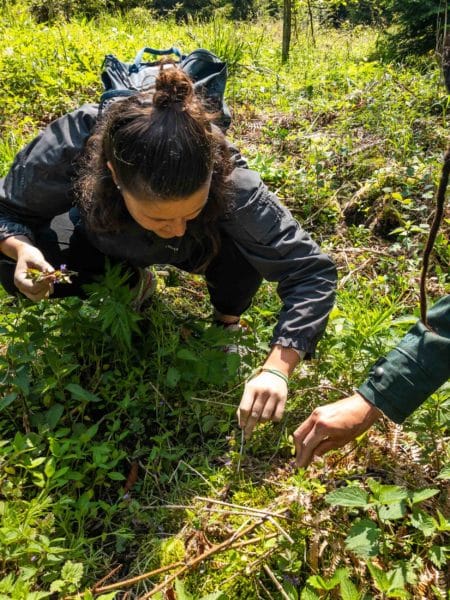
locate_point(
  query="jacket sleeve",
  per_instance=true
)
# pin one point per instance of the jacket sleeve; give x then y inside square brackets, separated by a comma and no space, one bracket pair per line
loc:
[39,184]
[277,247]
[417,367]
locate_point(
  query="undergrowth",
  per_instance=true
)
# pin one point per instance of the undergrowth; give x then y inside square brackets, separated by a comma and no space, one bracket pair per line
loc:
[119,450]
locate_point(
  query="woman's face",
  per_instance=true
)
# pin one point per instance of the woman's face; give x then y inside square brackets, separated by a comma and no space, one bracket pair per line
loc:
[167,218]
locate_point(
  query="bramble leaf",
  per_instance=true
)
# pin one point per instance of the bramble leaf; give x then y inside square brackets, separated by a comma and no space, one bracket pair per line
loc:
[422,495]
[72,572]
[438,555]
[348,590]
[423,522]
[348,496]
[363,538]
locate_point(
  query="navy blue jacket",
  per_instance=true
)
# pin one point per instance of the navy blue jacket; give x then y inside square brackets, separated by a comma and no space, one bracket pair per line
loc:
[39,186]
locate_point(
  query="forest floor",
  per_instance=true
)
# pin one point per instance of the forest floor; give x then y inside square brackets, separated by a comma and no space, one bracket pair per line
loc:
[123,472]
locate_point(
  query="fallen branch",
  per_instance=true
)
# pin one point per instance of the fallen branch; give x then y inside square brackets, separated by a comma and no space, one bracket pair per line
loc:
[265,590]
[256,511]
[276,583]
[207,554]
[106,577]
[283,532]
[133,580]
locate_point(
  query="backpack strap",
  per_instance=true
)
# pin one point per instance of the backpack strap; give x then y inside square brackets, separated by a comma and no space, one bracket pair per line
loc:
[136,64]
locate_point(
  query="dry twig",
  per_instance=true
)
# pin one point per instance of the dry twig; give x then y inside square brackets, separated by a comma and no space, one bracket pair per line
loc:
[276,583]
[133,580]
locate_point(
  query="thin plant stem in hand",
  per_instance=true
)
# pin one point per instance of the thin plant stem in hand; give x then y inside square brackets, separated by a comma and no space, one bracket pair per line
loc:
[61,275]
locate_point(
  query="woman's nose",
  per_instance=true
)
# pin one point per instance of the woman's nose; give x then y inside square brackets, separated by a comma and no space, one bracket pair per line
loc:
[178,227]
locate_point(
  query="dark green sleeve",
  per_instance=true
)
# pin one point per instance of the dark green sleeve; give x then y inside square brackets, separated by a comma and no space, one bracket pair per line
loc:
[418,366]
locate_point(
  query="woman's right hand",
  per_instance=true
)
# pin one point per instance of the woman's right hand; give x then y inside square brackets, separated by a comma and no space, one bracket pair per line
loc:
[332,426]
[30,257]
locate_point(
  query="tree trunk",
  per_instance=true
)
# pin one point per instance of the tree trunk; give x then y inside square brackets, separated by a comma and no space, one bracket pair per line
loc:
[311,22]
[287,27]
[446,61]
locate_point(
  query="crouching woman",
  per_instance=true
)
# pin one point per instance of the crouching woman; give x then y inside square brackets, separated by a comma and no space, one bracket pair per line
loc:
[154,181]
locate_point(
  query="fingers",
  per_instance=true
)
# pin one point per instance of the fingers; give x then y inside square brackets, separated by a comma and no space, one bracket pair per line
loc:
[34,290]
[332,426]
[251,409]
[307,439]
[327,445]
[263,400]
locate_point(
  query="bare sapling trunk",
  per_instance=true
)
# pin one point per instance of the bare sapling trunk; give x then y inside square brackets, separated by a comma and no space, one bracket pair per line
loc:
[287,28]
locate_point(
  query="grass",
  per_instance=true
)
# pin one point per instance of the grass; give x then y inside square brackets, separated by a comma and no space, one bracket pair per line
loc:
[108,447]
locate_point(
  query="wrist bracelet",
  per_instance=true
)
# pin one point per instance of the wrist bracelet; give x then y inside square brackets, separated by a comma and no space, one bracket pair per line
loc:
[276,372]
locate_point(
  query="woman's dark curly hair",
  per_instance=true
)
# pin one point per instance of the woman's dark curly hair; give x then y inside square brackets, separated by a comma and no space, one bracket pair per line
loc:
[161,144]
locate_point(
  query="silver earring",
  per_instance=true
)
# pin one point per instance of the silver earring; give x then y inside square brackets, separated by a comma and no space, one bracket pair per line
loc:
[119,188]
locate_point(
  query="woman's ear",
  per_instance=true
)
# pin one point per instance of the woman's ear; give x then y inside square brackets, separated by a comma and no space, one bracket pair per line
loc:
[111,168]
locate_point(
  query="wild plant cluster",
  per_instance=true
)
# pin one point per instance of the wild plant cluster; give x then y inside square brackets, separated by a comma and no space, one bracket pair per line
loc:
[122,471]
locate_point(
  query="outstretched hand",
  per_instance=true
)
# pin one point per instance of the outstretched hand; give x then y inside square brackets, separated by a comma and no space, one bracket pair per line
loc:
[264,399]
[332,426]
[31,259]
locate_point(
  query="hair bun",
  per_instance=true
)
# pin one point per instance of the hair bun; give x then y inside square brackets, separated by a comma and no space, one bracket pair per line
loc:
[172,87]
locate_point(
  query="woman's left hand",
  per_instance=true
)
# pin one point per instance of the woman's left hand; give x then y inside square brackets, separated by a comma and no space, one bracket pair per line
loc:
[264,399]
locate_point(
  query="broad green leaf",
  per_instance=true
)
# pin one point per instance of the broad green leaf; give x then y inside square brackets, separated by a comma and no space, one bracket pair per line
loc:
[49,468]
[320,583]
[438,555]
[379,576]
[7,400]
[182,594]
[74,475]
[79,393]
[22,380]
[423,521]
[348,496]
[233,362]
[443,524]
[422,495]
[445,473]
[289,589]
[186,354]
[397,578]
[364,538]
[173,377]
[115,476]
[53,415]
[348,590]
[72,572]
[390,494]
[37,461]
[27,573]
[87,435]
[392,511]
[309,594]
[340,575]
[57,585]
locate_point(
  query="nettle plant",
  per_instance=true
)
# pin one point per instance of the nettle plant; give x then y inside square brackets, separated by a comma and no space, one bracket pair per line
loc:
[379,513]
